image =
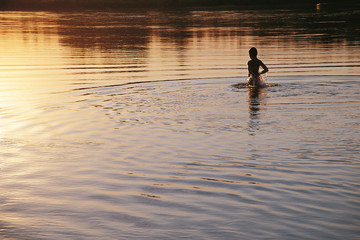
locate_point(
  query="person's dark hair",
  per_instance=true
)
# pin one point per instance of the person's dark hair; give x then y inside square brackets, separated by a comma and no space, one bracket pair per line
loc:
[253,52]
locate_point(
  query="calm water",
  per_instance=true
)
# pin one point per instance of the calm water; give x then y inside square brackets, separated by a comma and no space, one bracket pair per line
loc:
[127,125]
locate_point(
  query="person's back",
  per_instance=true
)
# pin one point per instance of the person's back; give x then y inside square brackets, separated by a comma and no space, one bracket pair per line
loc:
[253,68]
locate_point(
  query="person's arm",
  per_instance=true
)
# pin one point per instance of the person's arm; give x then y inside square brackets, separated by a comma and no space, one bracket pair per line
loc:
[264,67]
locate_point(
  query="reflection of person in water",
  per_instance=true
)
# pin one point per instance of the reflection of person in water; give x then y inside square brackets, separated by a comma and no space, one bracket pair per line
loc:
[253,67]
[256,97]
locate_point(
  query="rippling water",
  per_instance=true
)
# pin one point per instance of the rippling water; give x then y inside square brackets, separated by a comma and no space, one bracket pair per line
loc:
[130,125]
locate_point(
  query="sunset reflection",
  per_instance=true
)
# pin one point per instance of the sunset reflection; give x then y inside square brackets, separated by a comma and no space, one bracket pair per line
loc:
[139,124]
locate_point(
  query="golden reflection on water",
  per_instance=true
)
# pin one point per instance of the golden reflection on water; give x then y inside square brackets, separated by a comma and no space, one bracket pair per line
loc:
[192,44]
[44,52]
[76,132]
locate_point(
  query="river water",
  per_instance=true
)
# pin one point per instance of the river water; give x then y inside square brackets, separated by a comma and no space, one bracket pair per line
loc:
[130,125]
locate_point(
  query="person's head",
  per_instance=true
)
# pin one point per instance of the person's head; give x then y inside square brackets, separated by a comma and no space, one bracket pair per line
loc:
[253,52]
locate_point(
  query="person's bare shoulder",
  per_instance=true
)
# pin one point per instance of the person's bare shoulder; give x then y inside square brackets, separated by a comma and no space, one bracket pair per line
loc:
[251,62]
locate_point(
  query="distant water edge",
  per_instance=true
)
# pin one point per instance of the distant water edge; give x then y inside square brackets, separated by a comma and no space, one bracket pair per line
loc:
[120,4]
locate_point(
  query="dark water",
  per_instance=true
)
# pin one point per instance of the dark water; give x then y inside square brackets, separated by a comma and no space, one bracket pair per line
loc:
[129,125]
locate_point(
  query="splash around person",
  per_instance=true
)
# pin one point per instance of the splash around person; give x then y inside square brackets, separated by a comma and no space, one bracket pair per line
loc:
[255,79]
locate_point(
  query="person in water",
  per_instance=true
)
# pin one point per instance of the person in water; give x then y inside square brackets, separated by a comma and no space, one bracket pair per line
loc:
[253,67]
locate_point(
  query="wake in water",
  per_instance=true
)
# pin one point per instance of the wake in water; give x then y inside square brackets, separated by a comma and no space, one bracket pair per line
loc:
[263,83]
[246,85]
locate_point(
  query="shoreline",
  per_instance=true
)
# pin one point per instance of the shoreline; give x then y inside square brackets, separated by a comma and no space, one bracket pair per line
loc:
[64,5]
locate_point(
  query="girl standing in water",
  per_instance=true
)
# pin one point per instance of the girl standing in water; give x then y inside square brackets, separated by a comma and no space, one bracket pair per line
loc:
[253,67]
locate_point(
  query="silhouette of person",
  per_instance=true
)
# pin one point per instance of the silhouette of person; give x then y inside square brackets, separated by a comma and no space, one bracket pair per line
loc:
[253,67]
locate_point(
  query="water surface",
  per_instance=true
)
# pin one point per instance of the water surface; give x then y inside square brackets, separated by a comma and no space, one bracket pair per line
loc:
[128,125]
